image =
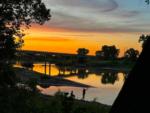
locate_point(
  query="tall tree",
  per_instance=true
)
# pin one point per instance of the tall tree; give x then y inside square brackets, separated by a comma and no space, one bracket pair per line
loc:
[143,39]
[134,96]
[14,16]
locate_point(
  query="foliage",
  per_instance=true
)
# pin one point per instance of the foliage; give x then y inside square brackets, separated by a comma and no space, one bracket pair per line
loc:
[7,75]
[109,77]
[14,15]
[82,55]
[131,54]
[32,83]
[82,73]
[14,100]
[108,52]
[143,38]
[82,51]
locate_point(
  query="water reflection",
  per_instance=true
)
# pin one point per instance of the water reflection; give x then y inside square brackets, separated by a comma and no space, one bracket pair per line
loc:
[108,82]
[82,73]
[109,76]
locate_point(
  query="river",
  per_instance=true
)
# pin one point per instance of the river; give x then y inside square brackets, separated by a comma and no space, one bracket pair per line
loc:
[106,83]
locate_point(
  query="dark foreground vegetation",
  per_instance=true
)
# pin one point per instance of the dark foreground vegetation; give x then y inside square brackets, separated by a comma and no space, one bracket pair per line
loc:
[26,100]
[134,97]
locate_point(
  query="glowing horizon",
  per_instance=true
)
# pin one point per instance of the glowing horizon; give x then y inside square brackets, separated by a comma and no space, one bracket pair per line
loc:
[90,24]
[69,42]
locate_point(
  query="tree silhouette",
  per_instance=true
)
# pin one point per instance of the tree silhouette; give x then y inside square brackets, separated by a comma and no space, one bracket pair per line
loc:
[131,54]
[99,54]
[82,51]
[109,52]
[134,96]
[82,55]
[27,65]
[143,39]
[109,77]
[82,73]
[7,76]
[15,14]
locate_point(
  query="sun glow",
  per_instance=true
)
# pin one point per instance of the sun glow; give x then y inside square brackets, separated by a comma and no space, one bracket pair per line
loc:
[42,38]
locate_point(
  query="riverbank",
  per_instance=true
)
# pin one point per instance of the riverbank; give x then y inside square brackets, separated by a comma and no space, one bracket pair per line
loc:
[60,102]
[23,100]
[74,105]
[45,81]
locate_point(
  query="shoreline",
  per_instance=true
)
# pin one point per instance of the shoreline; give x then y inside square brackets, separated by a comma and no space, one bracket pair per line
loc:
[25,75]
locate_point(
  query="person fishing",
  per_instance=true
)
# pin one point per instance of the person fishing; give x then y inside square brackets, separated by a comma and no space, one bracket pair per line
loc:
[83,93]
[72,95]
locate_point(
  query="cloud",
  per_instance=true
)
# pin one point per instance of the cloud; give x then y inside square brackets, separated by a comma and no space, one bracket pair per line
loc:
[93,16]
[113,6]
[129,14]
[51,39]
[94,5]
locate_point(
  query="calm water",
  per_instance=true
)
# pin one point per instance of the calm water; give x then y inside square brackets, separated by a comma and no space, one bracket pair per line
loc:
[107,83]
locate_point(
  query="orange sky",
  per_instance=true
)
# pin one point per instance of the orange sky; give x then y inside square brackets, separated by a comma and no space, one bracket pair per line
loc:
[90,24]
[42,38]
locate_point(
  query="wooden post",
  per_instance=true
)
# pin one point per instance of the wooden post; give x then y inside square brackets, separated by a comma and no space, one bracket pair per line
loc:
[49,69]
[45,64]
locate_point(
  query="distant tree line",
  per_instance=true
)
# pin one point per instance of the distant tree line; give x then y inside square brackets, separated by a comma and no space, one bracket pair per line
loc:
[112,52]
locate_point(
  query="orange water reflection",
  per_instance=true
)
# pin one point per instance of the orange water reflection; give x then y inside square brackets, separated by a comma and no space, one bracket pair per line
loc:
[105,93]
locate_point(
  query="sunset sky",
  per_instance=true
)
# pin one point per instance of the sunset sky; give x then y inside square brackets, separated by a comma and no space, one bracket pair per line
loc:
[90,24]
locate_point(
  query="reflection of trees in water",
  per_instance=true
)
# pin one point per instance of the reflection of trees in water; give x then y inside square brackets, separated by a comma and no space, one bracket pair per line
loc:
[73,71]
[82,73]
[27,65]
[109,77]
[63,69]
